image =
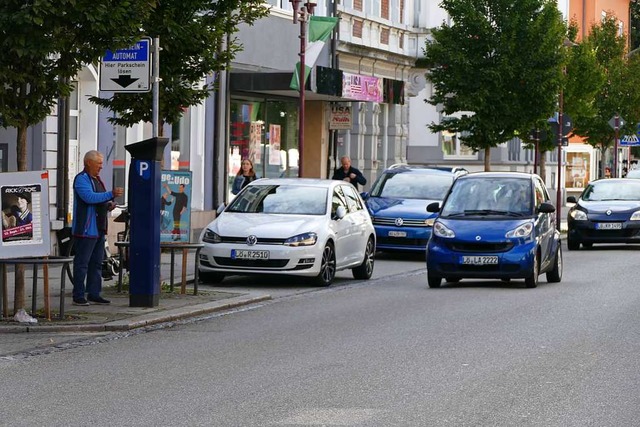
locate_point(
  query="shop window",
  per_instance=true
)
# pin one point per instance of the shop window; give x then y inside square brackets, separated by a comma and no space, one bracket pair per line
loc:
[180,146]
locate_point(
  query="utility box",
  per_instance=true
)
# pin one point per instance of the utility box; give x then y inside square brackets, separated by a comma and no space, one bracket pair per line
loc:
[144,210]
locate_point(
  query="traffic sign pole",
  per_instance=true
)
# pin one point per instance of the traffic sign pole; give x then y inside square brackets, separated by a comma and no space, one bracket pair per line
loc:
[156,87]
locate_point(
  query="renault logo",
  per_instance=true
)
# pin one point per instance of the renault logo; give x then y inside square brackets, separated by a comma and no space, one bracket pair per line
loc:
[399,222]
[608,212]
[252,240]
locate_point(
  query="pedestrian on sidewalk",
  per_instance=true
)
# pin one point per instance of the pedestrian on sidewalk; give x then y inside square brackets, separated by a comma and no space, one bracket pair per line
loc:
[91,203]
[348,173]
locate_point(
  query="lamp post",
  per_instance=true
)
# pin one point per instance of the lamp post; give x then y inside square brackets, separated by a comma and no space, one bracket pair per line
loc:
[301,14]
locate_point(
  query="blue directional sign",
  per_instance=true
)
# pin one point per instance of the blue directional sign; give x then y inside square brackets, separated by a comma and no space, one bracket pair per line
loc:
[127,70]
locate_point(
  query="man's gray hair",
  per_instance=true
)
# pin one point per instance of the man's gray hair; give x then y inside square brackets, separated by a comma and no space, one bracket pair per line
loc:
[92,155]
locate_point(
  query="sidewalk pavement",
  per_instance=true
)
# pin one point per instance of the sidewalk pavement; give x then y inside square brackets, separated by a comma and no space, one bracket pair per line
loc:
[118,316]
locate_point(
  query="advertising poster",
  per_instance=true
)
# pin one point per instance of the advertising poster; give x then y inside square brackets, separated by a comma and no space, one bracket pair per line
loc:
[25,218]
[274,144]
[175,206]
[255,139]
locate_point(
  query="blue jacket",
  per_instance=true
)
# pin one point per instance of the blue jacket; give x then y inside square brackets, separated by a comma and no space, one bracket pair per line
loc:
[238,183]
[89,205]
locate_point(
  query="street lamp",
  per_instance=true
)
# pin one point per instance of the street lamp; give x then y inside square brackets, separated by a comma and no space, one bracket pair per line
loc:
[301,14]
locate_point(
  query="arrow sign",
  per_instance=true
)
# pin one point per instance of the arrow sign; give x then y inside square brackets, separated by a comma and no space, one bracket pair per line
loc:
[127,70]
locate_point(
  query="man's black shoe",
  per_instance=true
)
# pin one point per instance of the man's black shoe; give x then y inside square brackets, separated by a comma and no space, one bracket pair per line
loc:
[98,300]
[80,301]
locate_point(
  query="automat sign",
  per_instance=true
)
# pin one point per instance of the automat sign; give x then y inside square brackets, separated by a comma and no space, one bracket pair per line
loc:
[340,117]
[127,70]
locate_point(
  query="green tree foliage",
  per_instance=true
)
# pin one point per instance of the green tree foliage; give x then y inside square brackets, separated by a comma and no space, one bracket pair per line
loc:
[496,68]
[616,94]
[193,39]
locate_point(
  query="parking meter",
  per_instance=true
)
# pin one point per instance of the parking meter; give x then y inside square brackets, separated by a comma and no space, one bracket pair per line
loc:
[144,210]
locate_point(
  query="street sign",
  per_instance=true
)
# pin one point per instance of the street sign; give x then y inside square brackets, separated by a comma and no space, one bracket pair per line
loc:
[614,125]
[127,70]
[629,141]
[567,124]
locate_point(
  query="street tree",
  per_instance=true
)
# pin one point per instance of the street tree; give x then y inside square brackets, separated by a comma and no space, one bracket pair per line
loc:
[196,41]
[496,68]
[44,44]
[617,95]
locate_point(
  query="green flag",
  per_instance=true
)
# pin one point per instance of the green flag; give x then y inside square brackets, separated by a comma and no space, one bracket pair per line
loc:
[320,28]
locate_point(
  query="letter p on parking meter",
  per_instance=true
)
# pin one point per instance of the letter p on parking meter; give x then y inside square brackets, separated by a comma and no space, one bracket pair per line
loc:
[144,208]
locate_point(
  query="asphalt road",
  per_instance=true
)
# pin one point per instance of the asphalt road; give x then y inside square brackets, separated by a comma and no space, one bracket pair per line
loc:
[388,352]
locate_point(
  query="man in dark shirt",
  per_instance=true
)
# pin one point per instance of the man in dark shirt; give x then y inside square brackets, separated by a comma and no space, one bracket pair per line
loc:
[180,202]
[349,173]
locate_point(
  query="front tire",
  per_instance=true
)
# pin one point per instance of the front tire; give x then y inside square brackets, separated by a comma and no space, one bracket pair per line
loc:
[327,267]
[434,281]
[365,270]
[532,280]
[555,274]
[573,244]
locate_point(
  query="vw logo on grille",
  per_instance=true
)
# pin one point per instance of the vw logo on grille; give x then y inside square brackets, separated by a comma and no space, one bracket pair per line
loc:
[252,240]
[478,238]
[608,212]
[399,222]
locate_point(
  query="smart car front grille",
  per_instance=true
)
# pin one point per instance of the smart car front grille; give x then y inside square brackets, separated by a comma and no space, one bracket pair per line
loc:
[243,240]
[481,247]
[255,263]
[405,222]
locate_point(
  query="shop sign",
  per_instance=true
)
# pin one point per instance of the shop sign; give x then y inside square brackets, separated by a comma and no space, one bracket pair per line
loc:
[361,88]
[340,117]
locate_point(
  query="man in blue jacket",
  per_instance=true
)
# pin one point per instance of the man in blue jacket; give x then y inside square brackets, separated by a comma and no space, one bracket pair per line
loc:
[91,203]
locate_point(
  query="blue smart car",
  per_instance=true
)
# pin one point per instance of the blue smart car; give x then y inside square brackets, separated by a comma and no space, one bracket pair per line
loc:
[495,225]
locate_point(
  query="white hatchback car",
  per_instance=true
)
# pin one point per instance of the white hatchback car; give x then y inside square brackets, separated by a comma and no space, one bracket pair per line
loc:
[292,226]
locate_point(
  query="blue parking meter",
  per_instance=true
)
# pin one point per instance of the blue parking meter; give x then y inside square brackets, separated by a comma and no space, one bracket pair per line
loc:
[144,210]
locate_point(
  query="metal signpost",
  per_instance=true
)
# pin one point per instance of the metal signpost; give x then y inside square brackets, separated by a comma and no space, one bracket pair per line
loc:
[616,122]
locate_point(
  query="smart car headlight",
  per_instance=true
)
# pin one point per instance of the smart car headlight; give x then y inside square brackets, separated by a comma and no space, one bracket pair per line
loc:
[522,231]
[578,215]
[635,216]
[305,239]
[211,237]
[440,230]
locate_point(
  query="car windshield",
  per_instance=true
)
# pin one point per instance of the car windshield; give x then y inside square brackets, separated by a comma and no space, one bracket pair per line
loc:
[612,190]
[281,199]
[495,196]
[407,185]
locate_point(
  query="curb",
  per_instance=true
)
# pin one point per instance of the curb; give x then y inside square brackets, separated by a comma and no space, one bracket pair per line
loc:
[140,321]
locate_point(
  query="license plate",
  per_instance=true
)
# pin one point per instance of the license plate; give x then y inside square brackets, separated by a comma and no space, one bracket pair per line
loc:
[248,254]
[608,226]
[479,260]
[398,234]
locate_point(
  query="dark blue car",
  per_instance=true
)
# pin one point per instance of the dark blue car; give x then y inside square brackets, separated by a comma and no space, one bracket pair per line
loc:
[495,225]
[398,203]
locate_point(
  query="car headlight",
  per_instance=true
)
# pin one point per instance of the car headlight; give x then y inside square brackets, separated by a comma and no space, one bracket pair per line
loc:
[306,239]
[522,231]
[429,222]
[211,237]
[635,216]
[578,215]
[440,230]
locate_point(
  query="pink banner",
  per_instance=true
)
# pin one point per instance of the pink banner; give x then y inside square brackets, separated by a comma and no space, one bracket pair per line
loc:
[361,88]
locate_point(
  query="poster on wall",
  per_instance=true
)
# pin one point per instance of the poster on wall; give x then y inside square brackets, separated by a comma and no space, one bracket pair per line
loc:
[255,139]
[578,167]
[175,206]
[24,203]
[274,144]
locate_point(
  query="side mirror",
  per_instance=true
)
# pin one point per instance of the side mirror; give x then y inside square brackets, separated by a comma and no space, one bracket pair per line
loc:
[546,207]
[433,207]
[340,212]
[220,208]
[572,199]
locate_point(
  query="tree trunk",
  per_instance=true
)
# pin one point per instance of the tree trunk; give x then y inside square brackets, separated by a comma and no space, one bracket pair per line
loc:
[487,159]
[21,149]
